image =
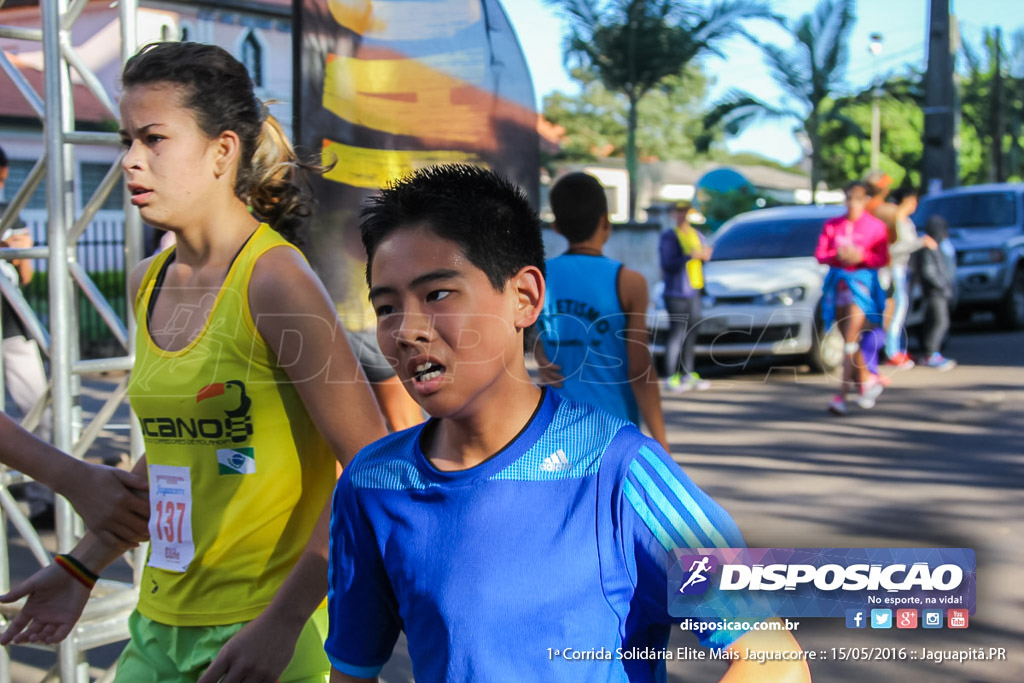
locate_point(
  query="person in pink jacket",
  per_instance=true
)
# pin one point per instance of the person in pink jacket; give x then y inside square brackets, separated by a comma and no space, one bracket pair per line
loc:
[855,246]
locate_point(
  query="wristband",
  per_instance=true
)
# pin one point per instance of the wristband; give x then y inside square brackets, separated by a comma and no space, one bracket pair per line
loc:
[77,570]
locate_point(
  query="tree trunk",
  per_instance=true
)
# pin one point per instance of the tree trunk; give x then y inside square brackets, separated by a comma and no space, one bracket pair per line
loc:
[815,140]
[631,161]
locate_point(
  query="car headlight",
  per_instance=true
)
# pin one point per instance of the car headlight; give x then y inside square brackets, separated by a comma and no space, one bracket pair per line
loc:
[783,297]
[979,257]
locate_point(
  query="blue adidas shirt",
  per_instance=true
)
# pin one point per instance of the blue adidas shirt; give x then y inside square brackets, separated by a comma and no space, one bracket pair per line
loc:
[583,331]
[560,540]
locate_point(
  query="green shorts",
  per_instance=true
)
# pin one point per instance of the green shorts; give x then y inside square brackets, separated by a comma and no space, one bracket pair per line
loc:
[158,652]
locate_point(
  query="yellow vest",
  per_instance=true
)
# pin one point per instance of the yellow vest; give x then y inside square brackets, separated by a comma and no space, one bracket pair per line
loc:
[238,471]
[689,240]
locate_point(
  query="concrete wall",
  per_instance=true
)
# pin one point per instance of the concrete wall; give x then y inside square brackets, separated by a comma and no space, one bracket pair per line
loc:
[635,245]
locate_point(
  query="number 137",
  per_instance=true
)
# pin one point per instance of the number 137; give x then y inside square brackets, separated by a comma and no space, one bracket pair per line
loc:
[166,511]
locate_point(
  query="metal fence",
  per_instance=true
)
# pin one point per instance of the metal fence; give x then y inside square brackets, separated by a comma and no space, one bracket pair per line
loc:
[101,253]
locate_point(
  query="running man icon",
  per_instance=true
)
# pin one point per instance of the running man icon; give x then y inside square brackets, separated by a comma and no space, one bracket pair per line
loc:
[697,570]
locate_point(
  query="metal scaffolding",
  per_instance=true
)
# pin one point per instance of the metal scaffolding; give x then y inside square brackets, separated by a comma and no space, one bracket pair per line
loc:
[105,618]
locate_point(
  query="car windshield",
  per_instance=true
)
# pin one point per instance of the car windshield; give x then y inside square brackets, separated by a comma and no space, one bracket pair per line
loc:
[980,210]
[765,239]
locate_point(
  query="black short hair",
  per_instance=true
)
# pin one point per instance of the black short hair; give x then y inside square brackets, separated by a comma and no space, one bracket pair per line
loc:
[899,195]
[936,227]
[487,215]
[4,161]
[579,203]
[850,186]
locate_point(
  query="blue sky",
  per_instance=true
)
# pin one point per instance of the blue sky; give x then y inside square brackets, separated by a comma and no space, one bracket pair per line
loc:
[902,23]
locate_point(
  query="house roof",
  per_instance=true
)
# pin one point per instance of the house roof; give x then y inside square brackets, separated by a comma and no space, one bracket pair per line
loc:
[221,4]
[683,173]
[14,105]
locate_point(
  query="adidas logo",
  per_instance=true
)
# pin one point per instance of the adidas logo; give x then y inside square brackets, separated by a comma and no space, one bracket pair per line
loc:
[556,462]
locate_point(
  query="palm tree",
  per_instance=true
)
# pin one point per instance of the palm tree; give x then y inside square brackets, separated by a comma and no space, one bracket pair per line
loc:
[634,45]
[992,102]
[809,73]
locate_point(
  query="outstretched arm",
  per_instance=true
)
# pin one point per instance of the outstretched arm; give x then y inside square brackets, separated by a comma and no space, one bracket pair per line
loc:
[643,378]
[55,597]
[111,501]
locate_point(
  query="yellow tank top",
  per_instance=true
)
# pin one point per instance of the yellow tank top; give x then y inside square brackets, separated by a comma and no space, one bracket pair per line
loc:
[238,471]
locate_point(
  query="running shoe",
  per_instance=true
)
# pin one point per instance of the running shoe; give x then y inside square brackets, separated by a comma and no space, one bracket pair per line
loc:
[696,382]
[869,393]
[674,384]
[901,360]
[939,362]
[680,384]
[837,406]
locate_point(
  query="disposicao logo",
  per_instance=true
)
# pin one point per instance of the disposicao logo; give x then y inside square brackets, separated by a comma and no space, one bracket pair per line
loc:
[767,582]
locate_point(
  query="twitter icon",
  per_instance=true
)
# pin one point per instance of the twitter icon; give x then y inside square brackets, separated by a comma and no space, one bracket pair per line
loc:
[881,618]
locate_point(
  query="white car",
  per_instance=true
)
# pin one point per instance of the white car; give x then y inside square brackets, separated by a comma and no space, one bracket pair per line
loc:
[763,290]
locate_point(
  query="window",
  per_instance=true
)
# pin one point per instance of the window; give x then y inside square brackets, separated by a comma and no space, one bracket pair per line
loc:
[252,57]
[978,210]
[20,169]
[92,176]
[768,238]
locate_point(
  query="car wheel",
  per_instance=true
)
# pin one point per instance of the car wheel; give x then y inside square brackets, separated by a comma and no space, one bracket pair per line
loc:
[1010,314]
[826,353]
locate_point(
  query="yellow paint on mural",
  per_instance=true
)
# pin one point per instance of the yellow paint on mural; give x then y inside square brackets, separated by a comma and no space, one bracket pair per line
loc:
[373,168]
[400,20]
[405,97]
[355,15]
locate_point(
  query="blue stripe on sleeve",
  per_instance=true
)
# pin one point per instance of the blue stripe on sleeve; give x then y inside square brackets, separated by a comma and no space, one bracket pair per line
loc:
[353,670]
[648,517]
[689,539]
[677,488]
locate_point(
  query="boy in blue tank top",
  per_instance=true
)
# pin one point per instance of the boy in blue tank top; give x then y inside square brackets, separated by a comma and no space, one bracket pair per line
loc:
[595,347]
[513,522]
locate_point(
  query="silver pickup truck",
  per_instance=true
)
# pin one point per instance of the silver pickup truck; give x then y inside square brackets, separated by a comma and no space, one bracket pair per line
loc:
[986,225]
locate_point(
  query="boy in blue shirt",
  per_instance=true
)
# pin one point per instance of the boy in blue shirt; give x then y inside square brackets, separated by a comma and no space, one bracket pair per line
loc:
[513,522]
[593,331]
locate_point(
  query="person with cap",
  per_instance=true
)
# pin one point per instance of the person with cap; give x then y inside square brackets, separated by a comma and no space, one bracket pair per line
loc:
[683,251]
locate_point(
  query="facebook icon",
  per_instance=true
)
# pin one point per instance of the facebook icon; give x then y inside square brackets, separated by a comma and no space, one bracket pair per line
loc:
[856,618]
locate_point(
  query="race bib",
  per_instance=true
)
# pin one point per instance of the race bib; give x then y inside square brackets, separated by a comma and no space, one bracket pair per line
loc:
[170,518]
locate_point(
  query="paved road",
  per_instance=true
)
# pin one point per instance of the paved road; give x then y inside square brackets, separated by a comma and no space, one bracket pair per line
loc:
[939,462]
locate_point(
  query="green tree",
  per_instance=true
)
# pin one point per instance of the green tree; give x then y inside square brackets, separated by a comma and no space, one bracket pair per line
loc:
[992,105]
[809,73]
[844,156]
[633,46]
[596,120]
